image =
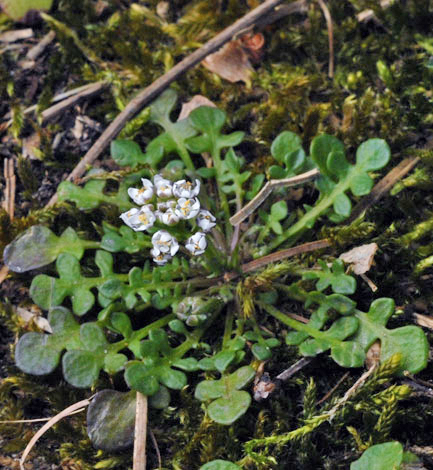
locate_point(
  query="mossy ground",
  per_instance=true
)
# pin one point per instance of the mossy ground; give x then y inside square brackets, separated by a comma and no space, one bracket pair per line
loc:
[382,87]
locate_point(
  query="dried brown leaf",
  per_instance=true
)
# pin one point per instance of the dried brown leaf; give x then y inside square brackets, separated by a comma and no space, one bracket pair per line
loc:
[195,102]
[231,62]
[360,258]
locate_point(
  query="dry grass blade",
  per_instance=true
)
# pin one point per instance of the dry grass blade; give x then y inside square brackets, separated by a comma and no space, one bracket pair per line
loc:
[37,420]
[328,18]
[55,419]
[140,433]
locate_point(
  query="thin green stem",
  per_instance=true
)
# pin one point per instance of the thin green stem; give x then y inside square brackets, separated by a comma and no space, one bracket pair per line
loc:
[185,156]
[228,327]
[307,219]
[296,325]
[142,333]
[195,336]
[90,244]
[223,198]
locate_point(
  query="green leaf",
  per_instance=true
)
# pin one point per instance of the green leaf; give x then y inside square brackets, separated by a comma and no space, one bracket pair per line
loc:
[127,153]
[111,420]
[39,353]
[373,154]
[341,283]
[223,359]
[17,9]
[228,409]
[39,246]
[138,378]
[81,368]
[348,354]
[121,323]
[408,341]
[320,149]
[114,363]
[220,465]
[48,292]
[35,355]
[342,205]
[387,456]
[229,403]
[284,144]
[161,399]
[279,210]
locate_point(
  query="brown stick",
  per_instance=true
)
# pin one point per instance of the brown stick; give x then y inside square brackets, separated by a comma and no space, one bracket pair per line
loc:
[140,433]
[282,254]
[267,189]
[328,18]
[153,90]
[9,175]
[383,186]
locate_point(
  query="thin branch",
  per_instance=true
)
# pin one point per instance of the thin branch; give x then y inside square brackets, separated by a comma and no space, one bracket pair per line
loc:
[280,255]
[293,369]
[153,90]
[140,432]
[328,18]
[39,48]
[9,176]
[267,189]
[383,186]
[155,444]
[78,93]
[333,389]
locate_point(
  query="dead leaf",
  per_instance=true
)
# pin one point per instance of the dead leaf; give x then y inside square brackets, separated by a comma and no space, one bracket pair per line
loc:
[360,258]
[231,62]
[253,44]
[424,320]
[35,316]
[373,355]
[195,102]
[16,35]
[31,146]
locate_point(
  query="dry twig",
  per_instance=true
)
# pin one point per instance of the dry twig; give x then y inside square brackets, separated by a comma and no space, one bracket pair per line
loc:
[383,186]
[328,18]
[267,189]
[283,254]
[39,48]
[9,175]
[140,433]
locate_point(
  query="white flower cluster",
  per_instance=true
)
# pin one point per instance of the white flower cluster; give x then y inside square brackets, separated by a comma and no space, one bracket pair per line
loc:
[174,202]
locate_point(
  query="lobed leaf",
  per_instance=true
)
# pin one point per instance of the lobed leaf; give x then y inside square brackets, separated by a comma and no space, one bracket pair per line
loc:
[39,246]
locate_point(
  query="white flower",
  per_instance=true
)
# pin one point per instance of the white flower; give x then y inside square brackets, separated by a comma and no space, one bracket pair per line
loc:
[142,195]
[187,208]
[205,220]
[139,219]
[186,189]
[196,244]
[169,217]
[160,258]
[164,243]
[163,187]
